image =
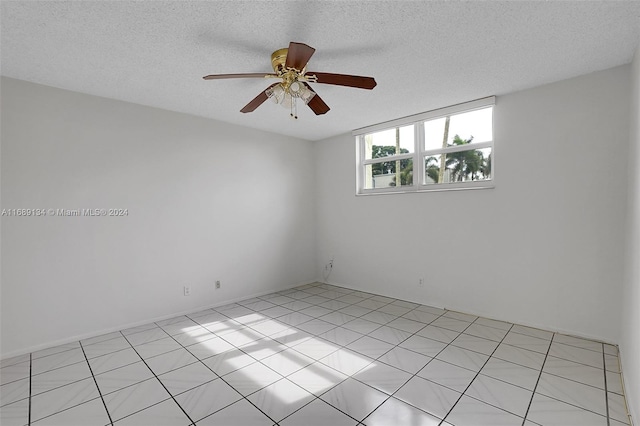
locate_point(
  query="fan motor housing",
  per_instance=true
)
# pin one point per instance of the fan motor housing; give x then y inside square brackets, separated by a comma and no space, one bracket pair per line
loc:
[279,58]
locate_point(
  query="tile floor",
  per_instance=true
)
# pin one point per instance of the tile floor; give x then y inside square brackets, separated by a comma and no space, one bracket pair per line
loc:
[318,355]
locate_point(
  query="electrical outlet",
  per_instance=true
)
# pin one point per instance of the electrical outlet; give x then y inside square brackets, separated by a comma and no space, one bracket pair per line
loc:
[421,282]
[217,285]
[187,290]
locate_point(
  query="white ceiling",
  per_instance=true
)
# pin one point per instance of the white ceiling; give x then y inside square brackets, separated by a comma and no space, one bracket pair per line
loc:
[424,55]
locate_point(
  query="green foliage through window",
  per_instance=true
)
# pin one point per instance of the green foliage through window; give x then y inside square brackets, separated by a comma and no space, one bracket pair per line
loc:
[461,165]
[389,167]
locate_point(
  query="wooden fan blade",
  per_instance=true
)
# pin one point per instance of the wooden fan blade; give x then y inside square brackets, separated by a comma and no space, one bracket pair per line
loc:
[298,55]
[344,80]
[257,101]
[316,103]
[249,75]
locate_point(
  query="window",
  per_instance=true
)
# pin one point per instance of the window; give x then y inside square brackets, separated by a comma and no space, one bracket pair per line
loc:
[450,148]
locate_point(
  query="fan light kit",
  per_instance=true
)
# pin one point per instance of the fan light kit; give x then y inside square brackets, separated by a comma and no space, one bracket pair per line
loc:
[290,66]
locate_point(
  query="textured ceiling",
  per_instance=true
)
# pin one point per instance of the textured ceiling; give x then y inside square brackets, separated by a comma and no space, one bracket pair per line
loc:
[424,55]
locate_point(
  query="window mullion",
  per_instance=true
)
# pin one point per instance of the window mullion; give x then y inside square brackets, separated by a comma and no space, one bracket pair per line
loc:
[458,148]
[388,159]
[360,183]
[418,160]
[467,147]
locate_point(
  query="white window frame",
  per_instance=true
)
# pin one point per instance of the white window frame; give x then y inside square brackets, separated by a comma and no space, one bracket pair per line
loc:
[420,153]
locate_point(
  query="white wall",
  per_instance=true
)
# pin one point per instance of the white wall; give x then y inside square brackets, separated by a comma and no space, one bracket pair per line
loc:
[542,248]
[207,200]
[630,339]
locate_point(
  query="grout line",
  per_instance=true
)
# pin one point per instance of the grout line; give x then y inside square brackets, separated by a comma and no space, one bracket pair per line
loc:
[162,384]
[561,377]
[220,377]
[109,354]
[325,402]
[570,380]
[572,404]
[30,380]
[477,373]
[96,382]
[391,395]
[606,390]
[56,368]
[293,372]
[580,347]
[533,393]
[53,354]
[624,387]
[565,359]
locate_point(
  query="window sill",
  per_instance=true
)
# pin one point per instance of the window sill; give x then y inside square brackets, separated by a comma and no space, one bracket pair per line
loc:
[463,186]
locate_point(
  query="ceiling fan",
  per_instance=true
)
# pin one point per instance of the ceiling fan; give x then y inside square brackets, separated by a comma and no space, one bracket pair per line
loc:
[290,66]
